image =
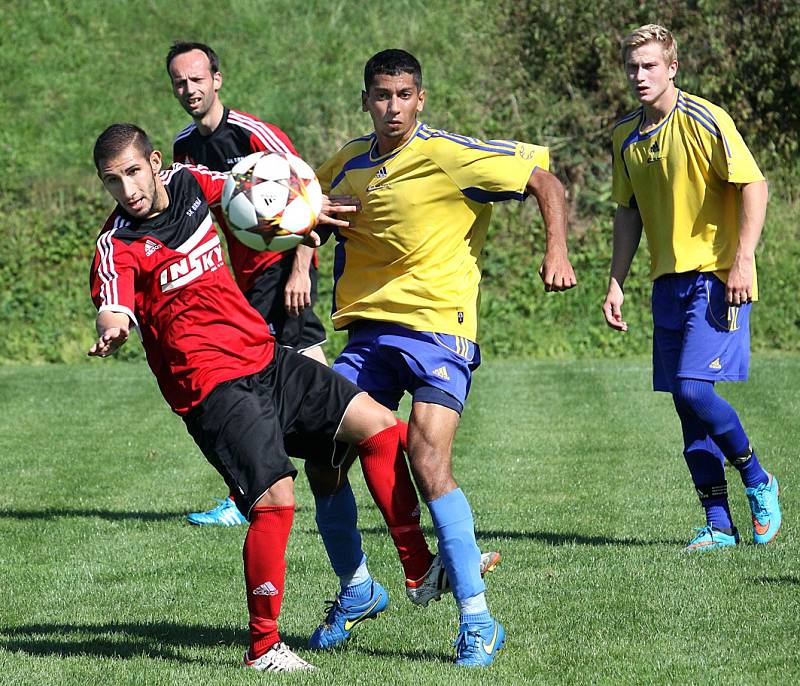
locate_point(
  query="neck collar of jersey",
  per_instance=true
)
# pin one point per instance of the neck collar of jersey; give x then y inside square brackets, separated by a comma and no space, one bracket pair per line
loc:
[374,156]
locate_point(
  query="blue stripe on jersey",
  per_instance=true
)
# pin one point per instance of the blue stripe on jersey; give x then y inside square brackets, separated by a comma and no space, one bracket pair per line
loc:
[703,122]
[339,259]
[366,159]
[708,115]
[635,136]
[484,196]
[632,115]
[475,143]
[702,112]
[504,143]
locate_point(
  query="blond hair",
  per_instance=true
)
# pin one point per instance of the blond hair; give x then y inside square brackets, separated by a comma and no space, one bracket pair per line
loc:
[651,33]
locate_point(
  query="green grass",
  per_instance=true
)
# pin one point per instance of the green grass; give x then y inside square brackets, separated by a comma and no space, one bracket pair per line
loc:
[573,470]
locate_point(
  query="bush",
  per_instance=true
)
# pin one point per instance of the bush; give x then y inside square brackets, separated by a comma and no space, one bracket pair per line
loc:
[546,72]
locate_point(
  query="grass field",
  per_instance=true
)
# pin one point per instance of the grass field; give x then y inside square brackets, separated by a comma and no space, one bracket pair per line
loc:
[574,472]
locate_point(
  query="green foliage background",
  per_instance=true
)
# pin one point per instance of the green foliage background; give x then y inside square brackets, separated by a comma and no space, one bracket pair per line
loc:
[546,72]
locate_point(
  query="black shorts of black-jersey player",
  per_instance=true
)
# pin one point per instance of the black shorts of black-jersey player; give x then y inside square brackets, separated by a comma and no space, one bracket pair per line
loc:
[267,296]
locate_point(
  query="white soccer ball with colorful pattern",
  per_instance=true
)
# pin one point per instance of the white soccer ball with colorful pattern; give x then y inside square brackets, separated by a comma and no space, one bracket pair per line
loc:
[272,200]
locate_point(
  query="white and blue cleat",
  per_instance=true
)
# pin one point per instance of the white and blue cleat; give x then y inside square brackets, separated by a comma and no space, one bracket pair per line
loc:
[224,514]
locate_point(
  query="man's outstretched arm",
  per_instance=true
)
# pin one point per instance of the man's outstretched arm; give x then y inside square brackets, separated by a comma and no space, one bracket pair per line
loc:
[555,271]
[113,329]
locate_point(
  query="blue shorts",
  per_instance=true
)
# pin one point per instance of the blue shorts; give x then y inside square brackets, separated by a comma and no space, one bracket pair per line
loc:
[386,360]
[696,334]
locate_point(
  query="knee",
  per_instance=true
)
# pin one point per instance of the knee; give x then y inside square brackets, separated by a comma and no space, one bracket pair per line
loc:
[280,494]
[324,481]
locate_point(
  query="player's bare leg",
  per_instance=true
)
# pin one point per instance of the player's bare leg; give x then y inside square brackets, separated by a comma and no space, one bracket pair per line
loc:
[431,430]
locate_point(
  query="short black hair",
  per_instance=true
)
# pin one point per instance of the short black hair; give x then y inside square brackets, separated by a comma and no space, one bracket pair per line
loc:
[180,47]
[392,62]
[116,138]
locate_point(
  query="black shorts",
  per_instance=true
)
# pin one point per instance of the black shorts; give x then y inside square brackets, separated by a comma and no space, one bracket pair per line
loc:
[247,427]
[267,296]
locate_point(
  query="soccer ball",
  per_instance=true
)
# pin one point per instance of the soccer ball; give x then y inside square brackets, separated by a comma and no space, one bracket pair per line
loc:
[272,200]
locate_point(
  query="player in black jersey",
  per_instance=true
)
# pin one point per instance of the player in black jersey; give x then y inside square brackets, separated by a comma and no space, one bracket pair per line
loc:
[280,285]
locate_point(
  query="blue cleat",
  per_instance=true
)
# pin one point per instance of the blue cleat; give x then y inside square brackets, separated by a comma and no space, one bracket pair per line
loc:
[708,538]
[766,511]
[343,615]
[224,514]
[477,644]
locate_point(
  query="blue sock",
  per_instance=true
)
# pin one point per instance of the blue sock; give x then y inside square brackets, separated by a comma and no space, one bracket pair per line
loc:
[707,466]
[452,519]
[474,610]
[722,423]
[357,590]
[337,519]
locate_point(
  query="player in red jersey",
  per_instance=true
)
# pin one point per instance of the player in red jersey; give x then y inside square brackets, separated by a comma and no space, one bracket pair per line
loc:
[159,268]
[282,286]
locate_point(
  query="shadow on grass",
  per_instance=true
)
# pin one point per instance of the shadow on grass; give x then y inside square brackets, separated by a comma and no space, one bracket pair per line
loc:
[110,515]
[551,538]
[558,539]
[781,580]
[51,513]
[157,640]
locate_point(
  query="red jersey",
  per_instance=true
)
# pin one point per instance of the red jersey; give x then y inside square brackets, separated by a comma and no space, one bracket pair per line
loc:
[167,273]
[239,134]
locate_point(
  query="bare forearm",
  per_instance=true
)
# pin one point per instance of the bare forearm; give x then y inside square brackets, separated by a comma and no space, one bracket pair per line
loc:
[627,235]
[112,332]
[751,221]
[550,196]
[111,320]
[303,255]
[555,271]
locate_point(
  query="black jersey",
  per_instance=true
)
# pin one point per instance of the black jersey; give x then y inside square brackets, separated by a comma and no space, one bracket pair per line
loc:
[239,134]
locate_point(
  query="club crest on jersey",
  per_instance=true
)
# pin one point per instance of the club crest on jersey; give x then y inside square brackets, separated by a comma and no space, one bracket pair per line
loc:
[206,257]
[150,247]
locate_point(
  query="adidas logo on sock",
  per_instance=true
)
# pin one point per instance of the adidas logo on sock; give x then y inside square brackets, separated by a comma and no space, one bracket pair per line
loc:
[716,364]
[265,589]
[441,372]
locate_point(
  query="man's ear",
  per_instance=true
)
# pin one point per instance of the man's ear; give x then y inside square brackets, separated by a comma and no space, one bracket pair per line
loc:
[155,161]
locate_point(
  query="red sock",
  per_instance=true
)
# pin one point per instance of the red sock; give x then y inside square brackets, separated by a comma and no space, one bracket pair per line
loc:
[264,573]
[389,482]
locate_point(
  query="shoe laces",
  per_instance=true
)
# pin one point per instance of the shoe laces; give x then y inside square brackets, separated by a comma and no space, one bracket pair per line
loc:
[702,531]
[332,608]
[219,508]
[282,657]
[758,499]
[467,642]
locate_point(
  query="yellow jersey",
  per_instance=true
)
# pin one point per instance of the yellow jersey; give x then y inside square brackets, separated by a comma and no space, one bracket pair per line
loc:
[412,253]
[683,176]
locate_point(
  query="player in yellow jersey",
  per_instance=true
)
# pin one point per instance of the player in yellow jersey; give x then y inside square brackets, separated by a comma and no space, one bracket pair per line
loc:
[683,173]
[406,288]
